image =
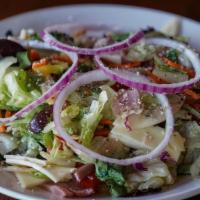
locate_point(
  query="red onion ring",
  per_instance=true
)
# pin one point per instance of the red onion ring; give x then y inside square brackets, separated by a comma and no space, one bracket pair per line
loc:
[98,75]
[52,41]
[54,89]
[126,123]
[133,80]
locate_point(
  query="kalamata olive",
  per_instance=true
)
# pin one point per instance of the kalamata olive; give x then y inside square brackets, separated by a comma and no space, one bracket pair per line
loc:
[41,119]
[9,48]
[9,33]
[148,29]
[84,171]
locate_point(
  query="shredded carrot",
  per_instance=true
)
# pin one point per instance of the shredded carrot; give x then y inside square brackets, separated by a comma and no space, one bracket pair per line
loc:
[8,114]
[102,132]
[106,122]
[2,128]
[188,71]
[2,115]
[34,55]
[192,94]
[155,78]
[130,65]
[42,62]
[62,58]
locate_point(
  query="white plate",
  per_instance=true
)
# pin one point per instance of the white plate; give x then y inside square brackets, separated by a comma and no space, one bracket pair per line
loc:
[126,17]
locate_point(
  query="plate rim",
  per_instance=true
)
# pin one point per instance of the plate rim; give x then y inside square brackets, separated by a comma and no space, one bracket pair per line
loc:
[190,20]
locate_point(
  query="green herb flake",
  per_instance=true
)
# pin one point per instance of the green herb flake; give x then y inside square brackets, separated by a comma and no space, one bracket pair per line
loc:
[23,59]
[173,55]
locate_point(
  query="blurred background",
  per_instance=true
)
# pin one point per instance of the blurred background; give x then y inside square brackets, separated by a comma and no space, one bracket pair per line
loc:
[188,8]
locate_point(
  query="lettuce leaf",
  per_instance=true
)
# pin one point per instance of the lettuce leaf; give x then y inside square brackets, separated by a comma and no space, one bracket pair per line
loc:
[107,172]
[90,120]
[107,111]
[19,90]
[141,52]
[56,151]
[23,59]
[29,144]
[113,177]
[17,87]
[5,63]
[151,178]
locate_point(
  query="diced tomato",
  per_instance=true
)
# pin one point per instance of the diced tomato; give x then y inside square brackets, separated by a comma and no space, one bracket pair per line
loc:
[34,55]
[40,63]
[106,122]
[2,128]
[102,132]
[8,114]
[90,181]
[118,86]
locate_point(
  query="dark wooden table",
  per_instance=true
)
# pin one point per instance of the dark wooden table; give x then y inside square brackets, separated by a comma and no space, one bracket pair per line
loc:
[188,8]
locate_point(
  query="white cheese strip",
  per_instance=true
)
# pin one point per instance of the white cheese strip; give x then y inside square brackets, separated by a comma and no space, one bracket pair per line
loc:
[148,139]
[34,166]
[173,27]
[25,158]
[17,169]
[28,180]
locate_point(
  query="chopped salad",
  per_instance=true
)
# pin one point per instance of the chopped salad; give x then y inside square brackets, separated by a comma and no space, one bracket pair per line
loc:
[89,111]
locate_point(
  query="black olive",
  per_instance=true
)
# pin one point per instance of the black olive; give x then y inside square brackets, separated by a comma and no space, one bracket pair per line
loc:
[148,29]
[9,48]
[9,33]
[41,119]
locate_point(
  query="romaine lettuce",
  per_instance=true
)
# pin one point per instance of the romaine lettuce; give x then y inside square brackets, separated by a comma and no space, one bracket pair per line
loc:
[141,52]
[156,175]
[90,120]
[18,88]
[113,177]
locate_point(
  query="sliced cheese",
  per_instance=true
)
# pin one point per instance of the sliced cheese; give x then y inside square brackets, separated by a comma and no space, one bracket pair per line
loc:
[172,28]
[34,166]
[140,121]
[7,144]
[17,169]
[28,180]
[61,173]
[25,158]
[148,139]
[156,168]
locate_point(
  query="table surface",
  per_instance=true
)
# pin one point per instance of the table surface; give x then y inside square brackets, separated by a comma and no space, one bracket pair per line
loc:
[188,8]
